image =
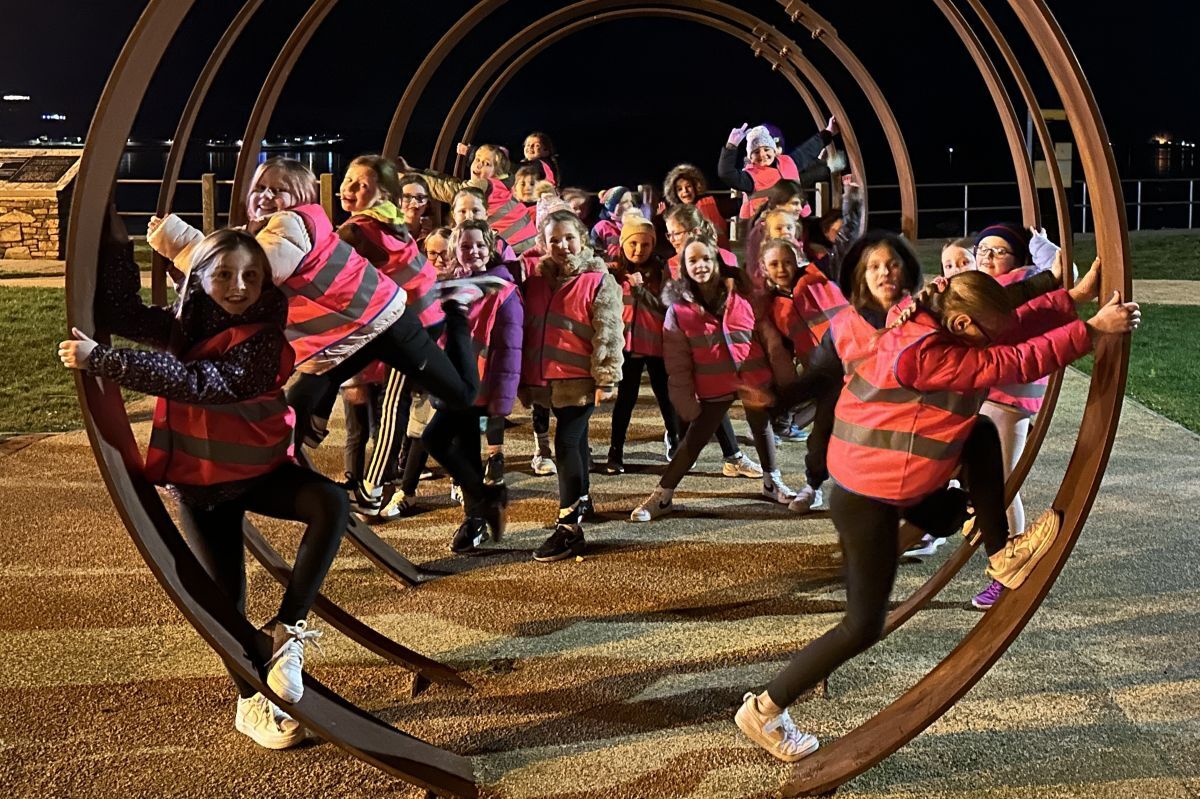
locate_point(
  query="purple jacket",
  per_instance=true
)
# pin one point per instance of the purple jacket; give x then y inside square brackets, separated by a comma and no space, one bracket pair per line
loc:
[503,372]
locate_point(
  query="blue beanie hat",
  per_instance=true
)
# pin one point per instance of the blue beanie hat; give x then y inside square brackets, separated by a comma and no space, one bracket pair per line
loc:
[1015,236]
[613,197]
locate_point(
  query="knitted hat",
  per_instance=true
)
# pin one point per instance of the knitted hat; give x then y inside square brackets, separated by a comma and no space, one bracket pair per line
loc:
[548,204]
[634,223]
[757,137]
[1015,236]
[612,198]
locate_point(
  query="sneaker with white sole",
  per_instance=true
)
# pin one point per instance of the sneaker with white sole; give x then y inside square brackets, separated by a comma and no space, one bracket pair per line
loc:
[285,675]
[925,547]
[493,470]
[806,499]
[741,466]
[659,503]
[543,465]
[265,724]
[1011,565]
[776,490]
[777,734]
[366,503]
[988,596]
[398,505]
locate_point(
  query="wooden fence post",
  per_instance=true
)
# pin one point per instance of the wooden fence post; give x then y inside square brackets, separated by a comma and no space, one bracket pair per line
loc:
[208,202]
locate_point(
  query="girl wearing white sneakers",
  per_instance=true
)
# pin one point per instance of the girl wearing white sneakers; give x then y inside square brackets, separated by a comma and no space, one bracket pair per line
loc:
[715,350]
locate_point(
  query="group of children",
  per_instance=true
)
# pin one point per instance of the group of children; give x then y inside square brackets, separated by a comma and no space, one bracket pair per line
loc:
[919,399]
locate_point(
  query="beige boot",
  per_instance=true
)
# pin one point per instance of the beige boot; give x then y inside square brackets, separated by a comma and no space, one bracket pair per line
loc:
[1012,565]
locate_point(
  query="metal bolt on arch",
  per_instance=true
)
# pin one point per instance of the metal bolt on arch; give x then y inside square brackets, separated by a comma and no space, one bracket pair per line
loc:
[444,773]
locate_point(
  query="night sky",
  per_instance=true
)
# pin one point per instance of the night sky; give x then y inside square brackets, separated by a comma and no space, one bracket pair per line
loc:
[625,100]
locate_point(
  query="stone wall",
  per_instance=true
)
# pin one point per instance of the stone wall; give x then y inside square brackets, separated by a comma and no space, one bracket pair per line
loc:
[30,228]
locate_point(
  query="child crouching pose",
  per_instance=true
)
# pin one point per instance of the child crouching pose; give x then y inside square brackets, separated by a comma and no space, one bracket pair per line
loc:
[715,349]
[222,436]
[572,359]
[929,370]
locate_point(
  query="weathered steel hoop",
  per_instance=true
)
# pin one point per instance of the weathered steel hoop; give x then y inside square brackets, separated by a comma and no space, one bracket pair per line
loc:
[169,558]
[119,461]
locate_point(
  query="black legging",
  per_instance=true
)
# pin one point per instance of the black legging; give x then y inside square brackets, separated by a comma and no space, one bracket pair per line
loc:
[714,414]
[571,449]
[453,438]
[817,444]
[868,530]
[627,396]
[290,492]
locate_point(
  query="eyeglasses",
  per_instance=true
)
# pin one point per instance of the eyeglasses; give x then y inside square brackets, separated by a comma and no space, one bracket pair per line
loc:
[672,236]
[415,199]
[436,256]
[991,252]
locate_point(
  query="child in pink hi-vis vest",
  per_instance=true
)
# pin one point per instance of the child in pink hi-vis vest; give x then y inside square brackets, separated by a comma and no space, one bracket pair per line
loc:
[343,313]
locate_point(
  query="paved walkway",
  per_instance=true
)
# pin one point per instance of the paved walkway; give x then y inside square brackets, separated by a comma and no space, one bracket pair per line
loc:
[616,676]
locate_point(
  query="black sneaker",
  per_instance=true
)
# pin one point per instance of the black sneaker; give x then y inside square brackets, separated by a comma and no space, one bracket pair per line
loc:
[493,472]
[365,504]
[566,541]
[494,510]
[587,511]
[468,536]
[616,463]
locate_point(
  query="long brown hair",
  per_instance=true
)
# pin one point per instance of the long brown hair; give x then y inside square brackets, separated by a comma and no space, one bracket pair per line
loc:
[976,294]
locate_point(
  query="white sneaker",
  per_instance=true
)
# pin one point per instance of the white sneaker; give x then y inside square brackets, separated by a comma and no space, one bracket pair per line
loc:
[926,546]
[741,466]
[668,450]
[267,725]
[806,499]
[543,465]
[659,503]
[285,675]
[456,493]
[777,491]
[778,735]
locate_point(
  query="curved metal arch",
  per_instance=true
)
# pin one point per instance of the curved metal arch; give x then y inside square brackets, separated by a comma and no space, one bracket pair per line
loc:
[264,106]
[183,132]
[824,32]
[170,559]
[497,85]
[525,52]
[787,49]
[935,693]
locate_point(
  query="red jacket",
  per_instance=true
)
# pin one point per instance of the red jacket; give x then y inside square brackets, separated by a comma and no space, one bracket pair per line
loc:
[203,445]
[912,394]
[764,178]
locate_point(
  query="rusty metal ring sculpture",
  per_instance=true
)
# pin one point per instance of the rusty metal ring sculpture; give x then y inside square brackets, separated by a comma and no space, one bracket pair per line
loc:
[447,774]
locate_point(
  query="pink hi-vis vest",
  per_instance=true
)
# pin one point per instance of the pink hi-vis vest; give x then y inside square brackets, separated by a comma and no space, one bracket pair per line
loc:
[725,352]
[643,323]
[727,259]
[891,442]
[203,445]
[509,217]
[334,293]
[818,300]
[406,266]
[558,329]
[764,178]
[1025,397]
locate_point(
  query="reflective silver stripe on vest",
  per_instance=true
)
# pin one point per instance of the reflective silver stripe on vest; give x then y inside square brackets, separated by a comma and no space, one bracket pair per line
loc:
[335,319]
[740,337]
[1024,390]
[580,329]
[725,367]
[422,301]
[316,288]
[562,356]
[824,313]
[218,451]
[949,401]
[897,441]
[249,411]
[706,340]
[410,271]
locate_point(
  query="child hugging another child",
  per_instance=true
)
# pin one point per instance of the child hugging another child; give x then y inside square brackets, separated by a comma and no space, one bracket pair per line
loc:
[716,349]
[490,168]
[572,360]
[930,369]
[222,435]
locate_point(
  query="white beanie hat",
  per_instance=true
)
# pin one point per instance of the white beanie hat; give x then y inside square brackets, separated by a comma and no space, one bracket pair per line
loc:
[759,136]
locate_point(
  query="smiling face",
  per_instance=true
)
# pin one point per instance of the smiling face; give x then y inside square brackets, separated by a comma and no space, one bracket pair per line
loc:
[637,248]
[360,189]
[699,263]
[437,250]
[534,148]
[884,276]
[956,259]
[483,167]
[468,206]
[676,234]
[472,250]
[413,202]
[235,282]
[762,156]
[562,241]
[523,187]
[685,190]
[270,193]
[779,265]
[995,256]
